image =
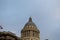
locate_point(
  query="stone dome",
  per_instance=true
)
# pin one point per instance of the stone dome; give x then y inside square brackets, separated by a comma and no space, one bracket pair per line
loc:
[30,25]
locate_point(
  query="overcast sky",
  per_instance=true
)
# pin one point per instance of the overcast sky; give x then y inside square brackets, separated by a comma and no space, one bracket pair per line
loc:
[45,14]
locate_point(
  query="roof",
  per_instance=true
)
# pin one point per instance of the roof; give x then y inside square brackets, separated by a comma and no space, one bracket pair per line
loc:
[4,33]
[30,25]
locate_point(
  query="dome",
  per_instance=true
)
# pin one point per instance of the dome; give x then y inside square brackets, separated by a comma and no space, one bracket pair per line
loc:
[30,25]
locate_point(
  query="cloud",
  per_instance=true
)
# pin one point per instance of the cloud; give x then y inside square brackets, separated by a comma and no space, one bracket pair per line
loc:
[58,13]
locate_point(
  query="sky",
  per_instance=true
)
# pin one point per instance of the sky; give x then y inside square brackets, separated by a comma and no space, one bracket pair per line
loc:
[45,14]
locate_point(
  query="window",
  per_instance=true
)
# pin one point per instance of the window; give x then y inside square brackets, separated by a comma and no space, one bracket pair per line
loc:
[28,33]
[33,33]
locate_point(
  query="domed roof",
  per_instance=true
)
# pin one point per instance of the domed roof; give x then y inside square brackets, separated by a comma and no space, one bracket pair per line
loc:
[30,25]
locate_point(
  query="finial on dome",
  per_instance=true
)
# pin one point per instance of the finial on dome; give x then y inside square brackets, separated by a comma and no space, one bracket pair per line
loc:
[30,19]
